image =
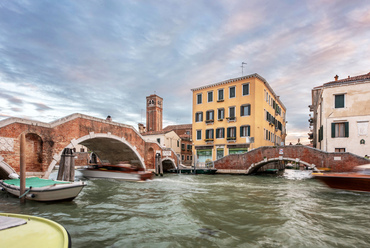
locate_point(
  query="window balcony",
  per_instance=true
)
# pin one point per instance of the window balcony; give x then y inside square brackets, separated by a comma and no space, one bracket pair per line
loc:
[220,119]
[231,119]
[209,121]
[209,140]
[231,139]
[220,100]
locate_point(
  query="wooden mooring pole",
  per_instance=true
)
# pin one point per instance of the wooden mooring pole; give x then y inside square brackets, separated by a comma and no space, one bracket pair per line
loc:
[23,168]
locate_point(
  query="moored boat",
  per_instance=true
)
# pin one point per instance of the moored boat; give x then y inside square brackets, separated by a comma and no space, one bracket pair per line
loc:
[359,180]
[18,230]
[118,171]
[191,170]
[39,189]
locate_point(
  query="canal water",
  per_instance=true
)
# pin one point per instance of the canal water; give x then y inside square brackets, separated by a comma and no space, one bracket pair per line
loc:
[208,211]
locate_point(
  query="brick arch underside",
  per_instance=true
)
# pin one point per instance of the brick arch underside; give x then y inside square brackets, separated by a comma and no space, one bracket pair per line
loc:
[168,164]
[109,148]
[113,151]
[254,167]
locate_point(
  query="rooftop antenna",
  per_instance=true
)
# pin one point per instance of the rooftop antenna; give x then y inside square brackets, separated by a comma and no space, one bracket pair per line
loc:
[243,67]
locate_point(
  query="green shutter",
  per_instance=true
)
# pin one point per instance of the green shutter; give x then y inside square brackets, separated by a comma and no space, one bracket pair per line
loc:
[241,130]
[333,130]
[346,129]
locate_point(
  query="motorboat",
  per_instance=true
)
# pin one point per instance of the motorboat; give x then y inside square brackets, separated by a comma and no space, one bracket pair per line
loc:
[118,171]
[191,170]
[18,230]
[38,189]
[358,180]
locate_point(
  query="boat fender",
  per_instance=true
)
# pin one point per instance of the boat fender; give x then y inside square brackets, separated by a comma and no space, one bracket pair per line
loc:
[13,176]
[31,195]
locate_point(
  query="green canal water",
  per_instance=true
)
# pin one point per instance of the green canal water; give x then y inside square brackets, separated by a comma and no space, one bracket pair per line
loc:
[208,211]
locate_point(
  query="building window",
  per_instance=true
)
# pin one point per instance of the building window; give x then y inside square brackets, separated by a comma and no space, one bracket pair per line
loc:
[220,95]
[199,98]
[82,150]
[245,131]
[199,117]
[245,110]
[187,158]
[210,116]
[220,133]
[210,96]
[245,89]
[340,149]
[220,153]
[189,147]
[183,147]
[340,130]
[231,114]
[232,92]
[339,101]
[199,134]
[221,114]
[182,157]
[209,134]
[231,133]
[159,141]
[178,143]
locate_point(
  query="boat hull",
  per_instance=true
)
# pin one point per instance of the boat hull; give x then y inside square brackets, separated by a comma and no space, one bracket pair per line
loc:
[350,181]
[34,232]
[191,171]
[57,192]
[131,176]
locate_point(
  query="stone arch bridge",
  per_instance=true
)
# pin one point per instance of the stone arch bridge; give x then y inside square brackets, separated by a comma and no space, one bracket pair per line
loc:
[250,162]
[110,141]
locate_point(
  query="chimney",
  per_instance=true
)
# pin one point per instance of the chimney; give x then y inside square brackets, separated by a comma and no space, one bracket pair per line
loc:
[336,77]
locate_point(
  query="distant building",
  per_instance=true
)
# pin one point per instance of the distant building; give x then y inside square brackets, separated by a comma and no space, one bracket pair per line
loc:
[235,116]
[341,115]
[154,113]
[166,138]
[184,131]
[175,137]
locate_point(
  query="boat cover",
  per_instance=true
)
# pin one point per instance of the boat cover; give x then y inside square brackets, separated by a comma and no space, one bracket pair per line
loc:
[34,182]
[8,222]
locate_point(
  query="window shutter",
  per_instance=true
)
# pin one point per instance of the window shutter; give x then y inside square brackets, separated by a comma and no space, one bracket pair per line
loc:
[346,129]
[248,131]
[241,131]
[228,132]
[333,130]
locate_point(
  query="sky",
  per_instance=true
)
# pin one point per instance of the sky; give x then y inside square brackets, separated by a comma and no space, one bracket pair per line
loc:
[100,58]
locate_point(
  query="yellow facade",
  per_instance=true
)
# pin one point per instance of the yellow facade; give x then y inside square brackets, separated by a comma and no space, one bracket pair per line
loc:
[253,116]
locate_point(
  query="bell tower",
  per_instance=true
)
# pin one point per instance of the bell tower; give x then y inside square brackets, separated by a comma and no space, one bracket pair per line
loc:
[154,113]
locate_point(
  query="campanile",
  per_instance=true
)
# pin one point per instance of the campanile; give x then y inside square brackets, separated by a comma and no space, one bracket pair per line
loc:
[154,113]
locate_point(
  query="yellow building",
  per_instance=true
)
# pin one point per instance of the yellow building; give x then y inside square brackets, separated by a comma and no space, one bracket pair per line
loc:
[235,116]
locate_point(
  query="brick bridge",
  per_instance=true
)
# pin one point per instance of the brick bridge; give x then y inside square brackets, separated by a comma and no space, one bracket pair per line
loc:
[250,162]
[110,141]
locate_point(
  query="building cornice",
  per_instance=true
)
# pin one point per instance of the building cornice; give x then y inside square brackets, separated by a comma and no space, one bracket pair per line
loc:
[254,75]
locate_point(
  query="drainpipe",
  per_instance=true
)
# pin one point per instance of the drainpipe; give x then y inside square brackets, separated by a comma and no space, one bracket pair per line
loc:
[326,138]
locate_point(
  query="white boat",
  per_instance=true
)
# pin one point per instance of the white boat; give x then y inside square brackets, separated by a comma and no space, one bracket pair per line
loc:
[18,230]
[119,171]
[38,189]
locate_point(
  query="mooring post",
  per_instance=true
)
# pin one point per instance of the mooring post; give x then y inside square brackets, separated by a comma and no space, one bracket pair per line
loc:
[23,167]
[156,164]
[72,168]
[160,165]
[67,163]
[61,166]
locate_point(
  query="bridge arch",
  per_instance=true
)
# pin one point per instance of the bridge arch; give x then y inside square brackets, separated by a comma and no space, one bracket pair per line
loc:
[255,166]
[168,164]
[107,147]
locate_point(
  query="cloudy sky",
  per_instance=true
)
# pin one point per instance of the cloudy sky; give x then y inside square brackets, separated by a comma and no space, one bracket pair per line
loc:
[103,58]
